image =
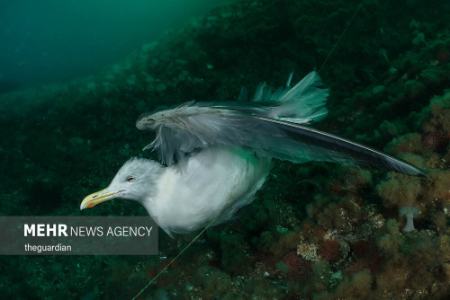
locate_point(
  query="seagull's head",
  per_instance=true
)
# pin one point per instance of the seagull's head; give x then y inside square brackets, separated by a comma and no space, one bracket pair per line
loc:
[135,180]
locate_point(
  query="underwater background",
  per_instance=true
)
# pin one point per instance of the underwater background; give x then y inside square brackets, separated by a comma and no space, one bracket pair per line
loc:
[71,93]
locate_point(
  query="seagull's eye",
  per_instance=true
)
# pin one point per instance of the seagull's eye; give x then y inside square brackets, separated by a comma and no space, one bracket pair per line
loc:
[130,178]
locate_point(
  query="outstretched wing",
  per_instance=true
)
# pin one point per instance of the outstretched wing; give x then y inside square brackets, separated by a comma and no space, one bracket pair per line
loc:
[208,126]
[274,130]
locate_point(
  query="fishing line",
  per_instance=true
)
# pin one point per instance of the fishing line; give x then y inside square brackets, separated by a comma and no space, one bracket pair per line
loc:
[150,282]
[341,36]
[185,248]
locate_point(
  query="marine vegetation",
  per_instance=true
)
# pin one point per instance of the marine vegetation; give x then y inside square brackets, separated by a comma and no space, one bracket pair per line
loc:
[315,231]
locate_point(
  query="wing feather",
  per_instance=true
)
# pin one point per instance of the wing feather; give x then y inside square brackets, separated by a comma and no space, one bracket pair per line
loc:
[190,128]
[273,130]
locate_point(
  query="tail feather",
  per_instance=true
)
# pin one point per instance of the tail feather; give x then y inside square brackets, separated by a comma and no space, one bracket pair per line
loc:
[303,103]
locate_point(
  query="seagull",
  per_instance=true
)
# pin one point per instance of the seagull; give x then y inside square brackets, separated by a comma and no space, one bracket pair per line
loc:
[214,157]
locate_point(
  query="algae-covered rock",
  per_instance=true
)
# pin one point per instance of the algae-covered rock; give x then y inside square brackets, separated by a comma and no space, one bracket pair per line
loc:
[399,190]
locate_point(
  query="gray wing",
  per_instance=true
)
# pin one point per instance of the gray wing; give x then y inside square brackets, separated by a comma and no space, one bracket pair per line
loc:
[196,127]
[275,129]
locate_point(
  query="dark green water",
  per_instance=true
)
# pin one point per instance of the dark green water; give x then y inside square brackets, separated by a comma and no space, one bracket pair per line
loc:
[315,231]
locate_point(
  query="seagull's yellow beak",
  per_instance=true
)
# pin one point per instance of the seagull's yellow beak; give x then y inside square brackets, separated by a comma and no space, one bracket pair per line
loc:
[97,198]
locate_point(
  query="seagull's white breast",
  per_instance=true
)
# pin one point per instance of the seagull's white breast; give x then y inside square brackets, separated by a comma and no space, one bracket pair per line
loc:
[210,185]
